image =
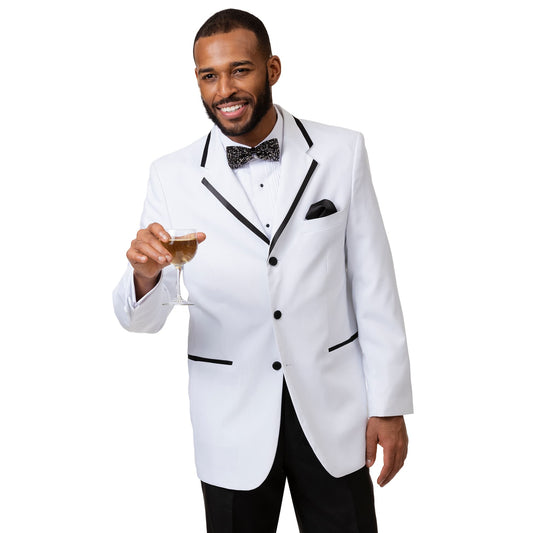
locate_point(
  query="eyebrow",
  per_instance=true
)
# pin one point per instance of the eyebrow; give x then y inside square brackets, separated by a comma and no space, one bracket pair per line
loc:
[233,64]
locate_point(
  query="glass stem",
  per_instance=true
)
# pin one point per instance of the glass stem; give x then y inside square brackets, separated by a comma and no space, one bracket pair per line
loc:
[178,283]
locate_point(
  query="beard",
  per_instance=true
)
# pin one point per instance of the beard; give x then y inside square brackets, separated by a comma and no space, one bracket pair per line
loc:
[264,103]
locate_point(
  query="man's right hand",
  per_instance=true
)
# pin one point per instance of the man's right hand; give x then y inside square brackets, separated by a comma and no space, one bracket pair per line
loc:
[148,257]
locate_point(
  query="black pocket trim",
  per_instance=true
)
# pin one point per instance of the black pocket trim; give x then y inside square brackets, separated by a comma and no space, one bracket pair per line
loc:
[208,360]
[351,339]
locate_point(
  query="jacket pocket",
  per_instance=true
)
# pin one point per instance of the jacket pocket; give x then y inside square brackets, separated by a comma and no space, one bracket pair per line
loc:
[209,360]
[344,343]
[331,221]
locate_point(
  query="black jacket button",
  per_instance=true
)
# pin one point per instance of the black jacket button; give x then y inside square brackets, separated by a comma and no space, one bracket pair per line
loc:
[277,315]
[276,365]
[273,261]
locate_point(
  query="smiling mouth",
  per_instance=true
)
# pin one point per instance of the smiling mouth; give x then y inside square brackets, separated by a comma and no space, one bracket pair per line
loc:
[232,110]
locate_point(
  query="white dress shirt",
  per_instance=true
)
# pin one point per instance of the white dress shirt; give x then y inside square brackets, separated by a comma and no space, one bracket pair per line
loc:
[260,178]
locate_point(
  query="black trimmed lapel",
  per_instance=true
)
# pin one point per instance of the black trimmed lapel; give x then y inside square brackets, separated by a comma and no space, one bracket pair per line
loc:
[297,169]
[221,182]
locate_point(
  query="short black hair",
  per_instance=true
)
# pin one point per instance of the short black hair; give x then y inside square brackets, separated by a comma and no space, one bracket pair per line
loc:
[231,19]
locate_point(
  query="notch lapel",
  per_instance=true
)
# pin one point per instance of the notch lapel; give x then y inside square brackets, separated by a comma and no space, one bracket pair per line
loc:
[221,182]
[297,168]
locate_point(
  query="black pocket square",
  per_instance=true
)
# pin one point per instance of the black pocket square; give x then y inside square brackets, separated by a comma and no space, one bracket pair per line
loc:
[321,209]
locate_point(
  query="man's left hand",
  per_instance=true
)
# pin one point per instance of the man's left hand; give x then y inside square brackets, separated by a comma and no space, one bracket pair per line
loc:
[390,432]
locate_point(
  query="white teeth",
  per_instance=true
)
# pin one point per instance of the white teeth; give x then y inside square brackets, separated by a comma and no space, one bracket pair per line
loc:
[230,109]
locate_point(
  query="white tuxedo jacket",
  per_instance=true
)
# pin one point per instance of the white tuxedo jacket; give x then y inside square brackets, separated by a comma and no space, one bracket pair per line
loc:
[316,304]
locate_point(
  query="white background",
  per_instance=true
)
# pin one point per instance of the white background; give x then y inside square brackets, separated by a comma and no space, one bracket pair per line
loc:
[95,433]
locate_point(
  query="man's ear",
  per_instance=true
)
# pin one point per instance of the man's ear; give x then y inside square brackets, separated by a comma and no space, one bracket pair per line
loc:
[273,69]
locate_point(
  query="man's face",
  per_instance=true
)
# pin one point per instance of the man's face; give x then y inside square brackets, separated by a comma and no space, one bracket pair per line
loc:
[235,82]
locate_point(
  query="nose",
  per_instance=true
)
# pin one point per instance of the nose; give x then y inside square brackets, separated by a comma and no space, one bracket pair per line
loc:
[225,86]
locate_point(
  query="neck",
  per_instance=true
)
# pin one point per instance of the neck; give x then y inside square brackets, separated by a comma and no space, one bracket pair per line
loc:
[258,134]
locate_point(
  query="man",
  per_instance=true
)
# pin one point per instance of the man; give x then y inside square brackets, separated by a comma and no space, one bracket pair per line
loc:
[297,355]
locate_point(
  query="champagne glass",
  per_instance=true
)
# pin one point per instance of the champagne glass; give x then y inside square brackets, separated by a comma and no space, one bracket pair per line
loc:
[182,247]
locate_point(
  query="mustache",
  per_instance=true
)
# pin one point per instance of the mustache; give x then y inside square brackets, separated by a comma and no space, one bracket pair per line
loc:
[230,100]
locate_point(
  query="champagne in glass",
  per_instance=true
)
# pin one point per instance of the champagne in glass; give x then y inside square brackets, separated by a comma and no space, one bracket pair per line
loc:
[182,247]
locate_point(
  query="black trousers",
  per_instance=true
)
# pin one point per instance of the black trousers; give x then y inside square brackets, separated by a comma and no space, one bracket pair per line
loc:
[322,503]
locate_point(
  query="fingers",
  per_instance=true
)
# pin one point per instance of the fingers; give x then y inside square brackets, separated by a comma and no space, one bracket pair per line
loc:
[391,434]
[147,252]
[200,237]
[393,460]
[158,231]
[371,445]
[148,247]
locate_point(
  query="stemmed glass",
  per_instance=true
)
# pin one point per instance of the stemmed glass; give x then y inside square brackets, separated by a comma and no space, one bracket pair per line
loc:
[182,247]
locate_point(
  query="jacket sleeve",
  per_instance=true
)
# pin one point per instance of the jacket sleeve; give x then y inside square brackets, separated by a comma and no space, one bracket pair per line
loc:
[148,315]
[375,298]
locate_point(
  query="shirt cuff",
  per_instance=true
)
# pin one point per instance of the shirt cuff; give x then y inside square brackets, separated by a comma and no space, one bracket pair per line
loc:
[132,297]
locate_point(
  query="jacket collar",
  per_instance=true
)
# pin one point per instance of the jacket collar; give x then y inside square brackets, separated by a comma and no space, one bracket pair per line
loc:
[297,167]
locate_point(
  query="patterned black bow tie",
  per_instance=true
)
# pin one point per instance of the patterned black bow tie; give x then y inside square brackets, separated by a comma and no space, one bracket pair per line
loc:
[240,155]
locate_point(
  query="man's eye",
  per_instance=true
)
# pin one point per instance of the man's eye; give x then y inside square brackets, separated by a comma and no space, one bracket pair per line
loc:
[208,76]
[241,70]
